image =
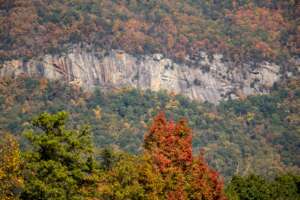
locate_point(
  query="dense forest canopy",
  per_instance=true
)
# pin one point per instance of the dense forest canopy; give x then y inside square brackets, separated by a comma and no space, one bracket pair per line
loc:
[229,133]
[239,29]
[125,143]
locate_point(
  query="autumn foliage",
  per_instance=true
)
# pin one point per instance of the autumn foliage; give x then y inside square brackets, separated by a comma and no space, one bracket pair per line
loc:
[11,180]
[186,177]
[238,29]
[170,143]
[60,165]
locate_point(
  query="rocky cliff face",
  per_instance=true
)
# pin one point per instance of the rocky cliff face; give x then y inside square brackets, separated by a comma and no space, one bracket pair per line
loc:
[203,79]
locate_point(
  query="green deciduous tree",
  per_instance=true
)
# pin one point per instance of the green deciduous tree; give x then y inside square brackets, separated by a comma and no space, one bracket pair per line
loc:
[131,177]
[249,188]
[254,187]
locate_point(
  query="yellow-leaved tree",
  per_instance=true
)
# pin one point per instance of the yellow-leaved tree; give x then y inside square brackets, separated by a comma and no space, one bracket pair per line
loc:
[11,180]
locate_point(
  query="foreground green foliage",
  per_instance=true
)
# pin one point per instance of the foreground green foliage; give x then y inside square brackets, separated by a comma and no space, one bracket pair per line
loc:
[253,187]
[130,177]
[60,163]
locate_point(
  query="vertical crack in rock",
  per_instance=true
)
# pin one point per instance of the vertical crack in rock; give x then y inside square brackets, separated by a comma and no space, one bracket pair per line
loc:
[207,80]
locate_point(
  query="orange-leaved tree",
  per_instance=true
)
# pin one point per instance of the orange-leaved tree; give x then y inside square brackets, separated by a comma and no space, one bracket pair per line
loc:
[170,146]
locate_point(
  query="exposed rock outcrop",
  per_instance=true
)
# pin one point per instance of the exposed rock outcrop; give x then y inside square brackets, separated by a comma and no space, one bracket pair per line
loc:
[205,79]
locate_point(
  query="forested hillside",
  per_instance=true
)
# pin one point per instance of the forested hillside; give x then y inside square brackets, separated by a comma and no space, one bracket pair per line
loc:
[239,29]
[259,134]
[149,99]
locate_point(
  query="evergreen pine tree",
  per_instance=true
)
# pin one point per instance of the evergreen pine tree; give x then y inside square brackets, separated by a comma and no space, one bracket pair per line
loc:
[60,164]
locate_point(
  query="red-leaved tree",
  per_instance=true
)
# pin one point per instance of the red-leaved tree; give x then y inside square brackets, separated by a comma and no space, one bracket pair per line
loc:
[170,146]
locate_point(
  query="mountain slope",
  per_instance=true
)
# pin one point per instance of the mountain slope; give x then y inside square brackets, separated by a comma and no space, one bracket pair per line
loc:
[239,29]
[205,50]
[259,134]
